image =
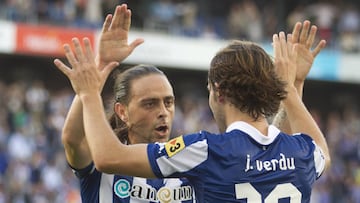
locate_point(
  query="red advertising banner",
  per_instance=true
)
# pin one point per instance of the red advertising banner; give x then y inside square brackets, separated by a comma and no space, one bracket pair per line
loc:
[47,40]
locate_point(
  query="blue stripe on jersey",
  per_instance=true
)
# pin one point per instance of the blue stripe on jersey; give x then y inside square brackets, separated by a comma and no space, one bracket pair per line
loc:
[98,187]
[238,165]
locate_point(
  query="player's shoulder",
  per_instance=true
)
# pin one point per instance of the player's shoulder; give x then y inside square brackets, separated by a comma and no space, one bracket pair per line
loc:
[300,136]
[190,139]
[299,139]
[194,137]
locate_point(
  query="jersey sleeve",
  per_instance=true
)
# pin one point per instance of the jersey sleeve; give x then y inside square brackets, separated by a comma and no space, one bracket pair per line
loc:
[178,157]
[152,150]
[81,173]
[319,160]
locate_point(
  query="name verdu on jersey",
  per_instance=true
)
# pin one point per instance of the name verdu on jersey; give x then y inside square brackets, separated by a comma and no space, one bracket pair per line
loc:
[283,164]
[124,189]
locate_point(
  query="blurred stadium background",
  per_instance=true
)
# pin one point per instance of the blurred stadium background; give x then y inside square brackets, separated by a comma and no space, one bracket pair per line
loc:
[180,36]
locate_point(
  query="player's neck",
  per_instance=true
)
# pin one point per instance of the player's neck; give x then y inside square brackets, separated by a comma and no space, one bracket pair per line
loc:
[233,115]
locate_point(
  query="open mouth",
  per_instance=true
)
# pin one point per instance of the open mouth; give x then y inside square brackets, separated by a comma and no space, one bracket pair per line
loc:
[162,128]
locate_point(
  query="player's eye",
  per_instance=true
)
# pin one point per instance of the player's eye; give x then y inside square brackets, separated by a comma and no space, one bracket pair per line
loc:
[149,104]
[169,102]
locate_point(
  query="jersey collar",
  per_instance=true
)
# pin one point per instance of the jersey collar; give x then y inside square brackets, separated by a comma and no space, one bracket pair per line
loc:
[254,133]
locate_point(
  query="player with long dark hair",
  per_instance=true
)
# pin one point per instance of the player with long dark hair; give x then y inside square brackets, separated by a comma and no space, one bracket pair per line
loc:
[143,113]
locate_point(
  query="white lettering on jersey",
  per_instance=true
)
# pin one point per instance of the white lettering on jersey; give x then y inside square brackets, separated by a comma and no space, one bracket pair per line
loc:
[283,164]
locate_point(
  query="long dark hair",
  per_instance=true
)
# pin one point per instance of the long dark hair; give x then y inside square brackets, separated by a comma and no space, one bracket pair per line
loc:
[122,94]
[246,75]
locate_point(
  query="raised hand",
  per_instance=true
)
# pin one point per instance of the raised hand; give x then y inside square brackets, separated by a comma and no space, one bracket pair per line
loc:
[113,44]
[84,74]
[304,36]
[285,58]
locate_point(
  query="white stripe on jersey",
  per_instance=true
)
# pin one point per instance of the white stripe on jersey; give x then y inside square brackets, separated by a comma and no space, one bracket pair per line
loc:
[195,154]
[106,190]
[172,183]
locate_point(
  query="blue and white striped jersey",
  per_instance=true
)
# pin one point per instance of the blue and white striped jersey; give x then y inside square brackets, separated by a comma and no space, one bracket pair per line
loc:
[96,187]
[242,165]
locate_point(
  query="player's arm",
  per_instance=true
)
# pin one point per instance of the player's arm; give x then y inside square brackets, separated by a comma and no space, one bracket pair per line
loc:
[113,46]
[304,36]
[73,137]
[109,155]
[297,113]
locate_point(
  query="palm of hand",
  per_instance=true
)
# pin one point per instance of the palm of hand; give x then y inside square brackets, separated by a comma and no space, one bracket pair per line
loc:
[113,46]
[84,85]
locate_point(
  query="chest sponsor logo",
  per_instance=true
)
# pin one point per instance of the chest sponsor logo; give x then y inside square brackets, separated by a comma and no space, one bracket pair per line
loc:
[174,146]
[123,189]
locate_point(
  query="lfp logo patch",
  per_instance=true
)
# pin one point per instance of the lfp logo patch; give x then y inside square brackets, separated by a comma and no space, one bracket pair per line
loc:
[174,146]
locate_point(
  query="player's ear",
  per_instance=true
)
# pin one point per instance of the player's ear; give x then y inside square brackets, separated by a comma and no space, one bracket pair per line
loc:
[219,95]
[121,112]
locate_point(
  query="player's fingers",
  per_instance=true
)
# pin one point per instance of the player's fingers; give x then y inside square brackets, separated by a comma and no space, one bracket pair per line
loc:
[62,67]
[127,20]
[294,51]
[88,49]
[124,13]
[289,42]
[277,51]
[304,32]
[319,47]
[136,43]
[283,44]
[78,50]
[69,54]
[107,23]
[121,11]
[296,32]
[311,38]
[109,67]
[293,57]
[117,18]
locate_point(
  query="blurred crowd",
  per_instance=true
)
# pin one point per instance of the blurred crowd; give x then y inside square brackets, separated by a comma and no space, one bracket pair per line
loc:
[33,166]
[341,183]
[256,20]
